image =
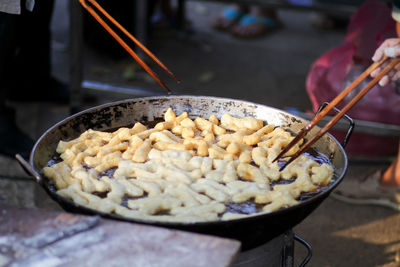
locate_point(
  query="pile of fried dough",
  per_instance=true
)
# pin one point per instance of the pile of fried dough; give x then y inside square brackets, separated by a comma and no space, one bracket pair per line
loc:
[184,170]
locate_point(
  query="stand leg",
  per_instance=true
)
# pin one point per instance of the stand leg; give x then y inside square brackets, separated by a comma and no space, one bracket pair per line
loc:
[76,62]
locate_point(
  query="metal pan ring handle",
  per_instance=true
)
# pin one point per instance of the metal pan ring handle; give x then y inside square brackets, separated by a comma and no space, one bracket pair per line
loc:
[349,119]
[28,168]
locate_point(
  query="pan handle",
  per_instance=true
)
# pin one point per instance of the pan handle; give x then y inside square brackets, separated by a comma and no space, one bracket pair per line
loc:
[28,168]
[348,118]
[308,247]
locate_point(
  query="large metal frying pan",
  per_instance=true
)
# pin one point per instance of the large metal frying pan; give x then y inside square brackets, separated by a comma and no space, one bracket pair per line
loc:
[251,231]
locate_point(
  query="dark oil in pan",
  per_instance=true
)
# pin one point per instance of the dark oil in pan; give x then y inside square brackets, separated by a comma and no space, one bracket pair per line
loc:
[313,154]
[109,173]
[54,160]
[247,207]
[317,156]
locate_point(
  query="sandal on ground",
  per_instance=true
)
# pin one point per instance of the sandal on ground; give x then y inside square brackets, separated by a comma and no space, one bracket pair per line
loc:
[228,18]
[368,191]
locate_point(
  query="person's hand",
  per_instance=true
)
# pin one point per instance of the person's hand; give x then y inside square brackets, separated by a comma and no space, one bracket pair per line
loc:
[390,48]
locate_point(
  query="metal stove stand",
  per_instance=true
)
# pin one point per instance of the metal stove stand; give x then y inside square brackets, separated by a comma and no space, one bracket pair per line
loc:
[278,252]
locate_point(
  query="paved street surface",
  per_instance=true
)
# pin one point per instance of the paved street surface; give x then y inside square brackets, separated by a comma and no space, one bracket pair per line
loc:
[271,71]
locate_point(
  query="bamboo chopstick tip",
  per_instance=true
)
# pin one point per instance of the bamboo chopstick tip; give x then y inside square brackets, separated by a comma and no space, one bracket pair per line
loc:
[176,78]
[283,167]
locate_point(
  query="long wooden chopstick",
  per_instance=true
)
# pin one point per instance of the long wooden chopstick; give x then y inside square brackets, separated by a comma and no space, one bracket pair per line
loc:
[329,107]
[338,116]
[124,45]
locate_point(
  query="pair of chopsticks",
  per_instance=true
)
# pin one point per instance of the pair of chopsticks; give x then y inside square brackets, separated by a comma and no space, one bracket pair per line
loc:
[123,43]
[302,133]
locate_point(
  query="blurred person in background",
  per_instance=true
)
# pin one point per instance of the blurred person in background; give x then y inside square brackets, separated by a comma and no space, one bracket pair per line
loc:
[25,67]
[390,48]
[382,187]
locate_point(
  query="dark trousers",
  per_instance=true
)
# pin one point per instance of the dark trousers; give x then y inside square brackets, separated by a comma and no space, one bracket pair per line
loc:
[25,48]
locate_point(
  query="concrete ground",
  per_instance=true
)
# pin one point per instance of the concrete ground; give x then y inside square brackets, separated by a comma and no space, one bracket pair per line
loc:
[271,71]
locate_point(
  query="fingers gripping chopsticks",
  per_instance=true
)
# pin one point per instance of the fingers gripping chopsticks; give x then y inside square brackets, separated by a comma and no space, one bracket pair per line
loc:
[90,9]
